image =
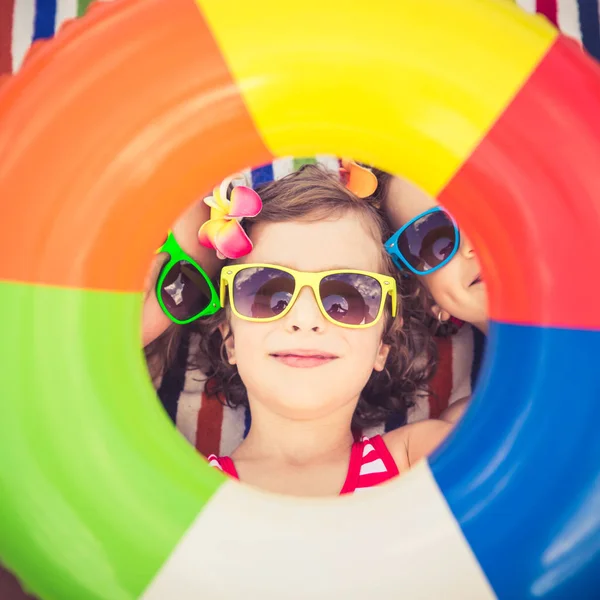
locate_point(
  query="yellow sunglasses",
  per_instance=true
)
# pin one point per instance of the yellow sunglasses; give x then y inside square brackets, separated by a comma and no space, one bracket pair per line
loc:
[262,293]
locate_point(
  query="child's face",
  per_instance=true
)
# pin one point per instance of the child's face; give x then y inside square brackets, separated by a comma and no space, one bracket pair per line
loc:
[301,391]
[452,286]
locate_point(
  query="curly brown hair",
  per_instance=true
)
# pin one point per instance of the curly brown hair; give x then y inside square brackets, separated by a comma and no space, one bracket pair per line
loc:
[312,194]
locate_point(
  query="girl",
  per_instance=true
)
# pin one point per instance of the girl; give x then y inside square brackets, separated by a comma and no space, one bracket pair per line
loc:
[309,340]
[428,243]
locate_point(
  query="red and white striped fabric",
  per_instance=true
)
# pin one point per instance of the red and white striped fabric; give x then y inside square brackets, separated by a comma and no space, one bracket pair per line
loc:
[225,464]
[370,464]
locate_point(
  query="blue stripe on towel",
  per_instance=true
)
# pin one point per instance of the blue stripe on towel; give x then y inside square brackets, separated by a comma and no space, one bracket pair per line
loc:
[589,23]
[395,422]
[173,381]
[45,19]
[478,352]
[247,421]
[262,175]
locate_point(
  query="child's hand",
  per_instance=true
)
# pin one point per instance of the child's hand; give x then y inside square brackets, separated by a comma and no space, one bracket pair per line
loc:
[154,320]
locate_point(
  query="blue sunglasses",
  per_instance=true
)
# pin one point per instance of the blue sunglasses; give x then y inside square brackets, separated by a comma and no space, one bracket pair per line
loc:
[426,243]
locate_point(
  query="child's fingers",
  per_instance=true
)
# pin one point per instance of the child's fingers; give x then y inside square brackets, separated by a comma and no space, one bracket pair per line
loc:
[154,320]
[186,229]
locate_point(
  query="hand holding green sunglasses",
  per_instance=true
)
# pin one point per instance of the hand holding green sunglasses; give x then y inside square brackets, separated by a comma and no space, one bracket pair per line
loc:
[183,289]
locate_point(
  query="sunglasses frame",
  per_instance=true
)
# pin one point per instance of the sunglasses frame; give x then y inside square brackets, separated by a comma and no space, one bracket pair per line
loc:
[391,245]
[304,279]
[176,254]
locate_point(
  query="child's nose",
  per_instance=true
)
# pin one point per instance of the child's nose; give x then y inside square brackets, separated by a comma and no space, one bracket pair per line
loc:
[466,248]
[305,314]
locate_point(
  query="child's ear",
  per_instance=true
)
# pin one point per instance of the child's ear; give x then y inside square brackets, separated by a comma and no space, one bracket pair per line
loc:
[439,314]
[227,333]
[381,358]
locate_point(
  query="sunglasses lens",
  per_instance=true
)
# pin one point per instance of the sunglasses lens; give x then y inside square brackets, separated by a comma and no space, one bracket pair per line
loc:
[262,292]
[351,298]
[429,241]
[185,291]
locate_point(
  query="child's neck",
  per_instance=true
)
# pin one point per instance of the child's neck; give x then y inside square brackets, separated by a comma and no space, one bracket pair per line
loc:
[297,442]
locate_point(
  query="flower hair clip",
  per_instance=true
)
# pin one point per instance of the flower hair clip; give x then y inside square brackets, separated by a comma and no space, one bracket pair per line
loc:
[223,230]
[361,181]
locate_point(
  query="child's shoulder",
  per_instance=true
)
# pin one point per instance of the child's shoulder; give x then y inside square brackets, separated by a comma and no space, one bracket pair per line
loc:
[411,443]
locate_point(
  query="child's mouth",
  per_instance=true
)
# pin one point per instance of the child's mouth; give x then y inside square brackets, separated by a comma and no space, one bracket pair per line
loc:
[477,280]
[303,359]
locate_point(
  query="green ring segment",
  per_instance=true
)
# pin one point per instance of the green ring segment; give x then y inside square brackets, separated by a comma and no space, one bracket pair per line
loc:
[87,451]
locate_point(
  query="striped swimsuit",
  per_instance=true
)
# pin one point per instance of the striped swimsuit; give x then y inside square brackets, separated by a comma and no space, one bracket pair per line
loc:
[370,464]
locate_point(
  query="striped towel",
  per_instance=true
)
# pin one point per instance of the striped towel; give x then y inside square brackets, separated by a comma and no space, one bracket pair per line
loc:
[281,167]
[22,21]
[579,19]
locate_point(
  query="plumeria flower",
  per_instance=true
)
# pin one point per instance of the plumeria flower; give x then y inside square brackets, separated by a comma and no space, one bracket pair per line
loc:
[223,231]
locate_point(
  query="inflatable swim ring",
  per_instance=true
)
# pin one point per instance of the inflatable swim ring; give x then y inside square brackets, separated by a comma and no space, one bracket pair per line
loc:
[101,135]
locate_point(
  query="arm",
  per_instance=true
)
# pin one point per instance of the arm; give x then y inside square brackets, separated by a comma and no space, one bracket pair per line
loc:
[423,440]
[455,411]
[411,443]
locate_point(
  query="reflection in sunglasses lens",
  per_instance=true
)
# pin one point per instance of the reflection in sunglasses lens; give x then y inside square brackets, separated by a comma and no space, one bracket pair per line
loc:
[428,241]
[351,298]
[184,291]
[262,292]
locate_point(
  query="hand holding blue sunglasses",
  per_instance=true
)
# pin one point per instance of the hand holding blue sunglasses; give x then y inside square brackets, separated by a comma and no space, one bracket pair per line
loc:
[426,243]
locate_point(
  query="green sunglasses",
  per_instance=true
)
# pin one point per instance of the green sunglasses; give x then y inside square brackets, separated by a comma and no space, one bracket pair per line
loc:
[184,290]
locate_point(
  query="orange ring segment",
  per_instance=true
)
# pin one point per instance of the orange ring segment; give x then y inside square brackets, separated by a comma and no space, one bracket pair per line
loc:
[182,88]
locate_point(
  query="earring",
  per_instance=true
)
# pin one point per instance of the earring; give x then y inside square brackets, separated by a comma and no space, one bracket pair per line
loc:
[440,319]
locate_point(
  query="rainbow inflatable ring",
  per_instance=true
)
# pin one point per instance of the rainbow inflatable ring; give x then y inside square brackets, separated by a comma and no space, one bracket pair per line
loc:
[112,128]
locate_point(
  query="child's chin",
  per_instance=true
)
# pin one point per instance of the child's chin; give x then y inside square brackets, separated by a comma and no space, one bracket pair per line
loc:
[308,403]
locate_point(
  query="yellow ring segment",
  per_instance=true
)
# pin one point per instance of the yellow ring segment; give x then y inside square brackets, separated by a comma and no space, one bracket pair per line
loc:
[439,91]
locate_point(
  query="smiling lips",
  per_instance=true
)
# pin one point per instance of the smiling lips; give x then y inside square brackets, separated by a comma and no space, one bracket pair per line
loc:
[476,280]
[303,359]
